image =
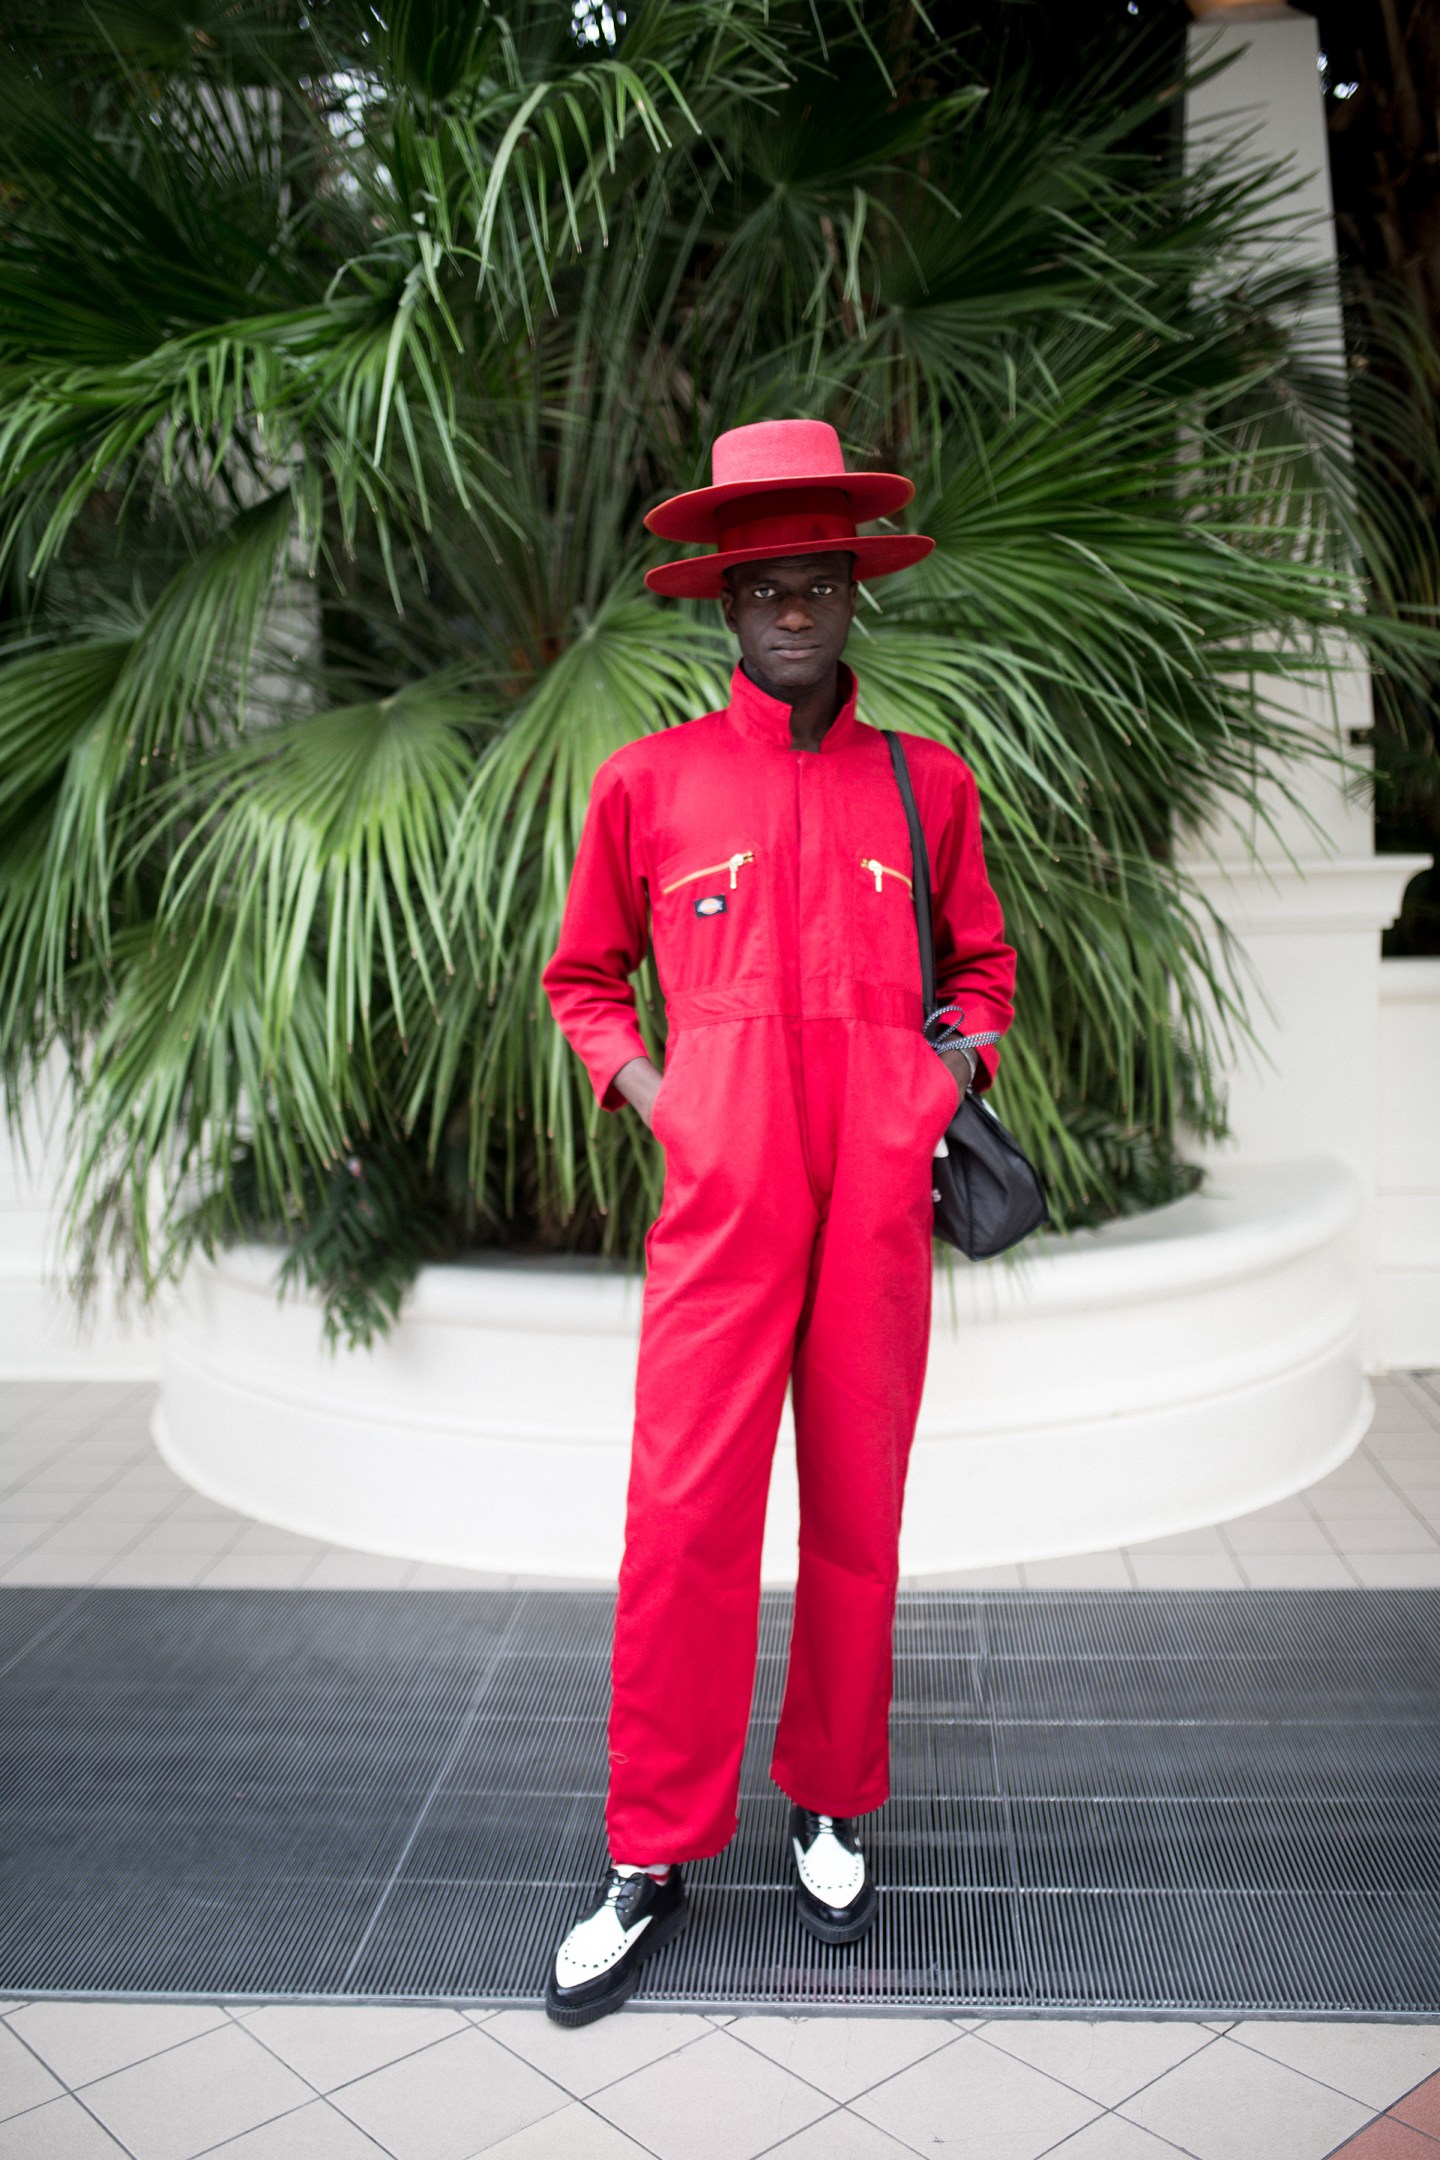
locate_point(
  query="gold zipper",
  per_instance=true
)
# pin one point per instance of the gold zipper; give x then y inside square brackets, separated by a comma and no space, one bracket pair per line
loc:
[711,870]
[880,871]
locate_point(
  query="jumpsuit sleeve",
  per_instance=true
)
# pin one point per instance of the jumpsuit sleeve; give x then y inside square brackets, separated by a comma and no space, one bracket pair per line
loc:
[974,967]
[604,935]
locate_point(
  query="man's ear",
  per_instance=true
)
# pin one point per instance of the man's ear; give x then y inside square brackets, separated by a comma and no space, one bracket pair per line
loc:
[727,602]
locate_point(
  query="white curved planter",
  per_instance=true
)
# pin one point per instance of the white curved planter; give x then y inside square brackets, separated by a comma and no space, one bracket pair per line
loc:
[1172,1370]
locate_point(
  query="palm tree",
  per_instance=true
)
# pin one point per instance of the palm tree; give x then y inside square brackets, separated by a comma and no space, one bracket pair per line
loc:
[344,348]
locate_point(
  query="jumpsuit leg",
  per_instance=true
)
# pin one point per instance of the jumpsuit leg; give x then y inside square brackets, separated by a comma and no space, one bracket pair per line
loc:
[729,1262]
[859,1372]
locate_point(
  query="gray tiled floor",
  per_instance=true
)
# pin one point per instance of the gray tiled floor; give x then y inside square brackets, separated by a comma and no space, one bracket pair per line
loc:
[286,2082]
[83,1498]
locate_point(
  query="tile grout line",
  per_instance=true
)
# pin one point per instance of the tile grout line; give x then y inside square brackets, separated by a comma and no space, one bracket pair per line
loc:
[1107,2109]
[1325,1532]
[68,2092]
[866,2090]
[1404,1496]
[681,2047]
[86,1494]
[200,2152]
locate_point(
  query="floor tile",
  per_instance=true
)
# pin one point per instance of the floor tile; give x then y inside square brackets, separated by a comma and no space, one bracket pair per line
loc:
[576,2133]
[1398,1415]
[313,2132]
[437,1575]
[450,2100]
[61,2130]
[92,1536]
[34,1507]
[154,1569]
[329,2044]
[343,1570]
[1227,2103]
[63,1478]
[716,2100]
[85,2040]
[841,2136]
[257,1571]
[187,1535]
[1369,1533]
[1398,1571]
[587,2057]
[1106,2060]
[1420,2108]
[1112,2138]
[260,1537]
[1373,2063]
[35,1567]
[1267,1533]
[1204,1539]
[142,1509]
[195,1507]
[24,2082]
[1185,1571]
[1354,1503]
[844,2056]
[975,2103]
[195,2095]
[1296,1571]
[1081,1571]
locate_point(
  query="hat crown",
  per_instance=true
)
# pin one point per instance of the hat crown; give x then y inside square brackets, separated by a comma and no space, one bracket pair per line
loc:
[770,450]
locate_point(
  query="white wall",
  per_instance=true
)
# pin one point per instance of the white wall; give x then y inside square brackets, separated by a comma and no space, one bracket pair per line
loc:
[1407,1290]
[42,1336]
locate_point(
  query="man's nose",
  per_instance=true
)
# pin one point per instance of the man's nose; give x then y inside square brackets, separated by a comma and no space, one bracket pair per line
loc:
[794,614]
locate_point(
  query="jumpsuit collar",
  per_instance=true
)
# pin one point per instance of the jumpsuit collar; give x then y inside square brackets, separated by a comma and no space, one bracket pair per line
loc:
[766,719]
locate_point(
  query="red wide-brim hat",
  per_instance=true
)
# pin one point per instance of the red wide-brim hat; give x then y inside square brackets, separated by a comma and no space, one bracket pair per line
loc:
[781,488]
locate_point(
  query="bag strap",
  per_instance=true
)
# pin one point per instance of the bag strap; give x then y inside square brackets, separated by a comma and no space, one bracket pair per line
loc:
[919,871]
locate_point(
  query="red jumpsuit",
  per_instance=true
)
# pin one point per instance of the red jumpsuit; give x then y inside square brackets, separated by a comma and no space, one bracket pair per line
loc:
[798,1113]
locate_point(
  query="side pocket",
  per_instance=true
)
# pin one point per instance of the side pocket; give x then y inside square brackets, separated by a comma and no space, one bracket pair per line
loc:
[662,1093]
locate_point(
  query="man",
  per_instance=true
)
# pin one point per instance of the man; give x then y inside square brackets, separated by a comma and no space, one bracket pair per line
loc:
[764,852]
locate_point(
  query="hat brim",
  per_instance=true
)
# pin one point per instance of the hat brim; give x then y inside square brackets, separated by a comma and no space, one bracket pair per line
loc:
[702,577]
[692,516]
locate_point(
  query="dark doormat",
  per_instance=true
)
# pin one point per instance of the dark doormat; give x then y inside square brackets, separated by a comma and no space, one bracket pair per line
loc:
[1155,1802]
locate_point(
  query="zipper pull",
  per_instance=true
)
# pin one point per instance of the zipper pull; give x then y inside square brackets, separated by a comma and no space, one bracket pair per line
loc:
[735,862]
[876,869]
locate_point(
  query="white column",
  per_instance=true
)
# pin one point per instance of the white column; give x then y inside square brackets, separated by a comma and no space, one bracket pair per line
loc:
[1309,899]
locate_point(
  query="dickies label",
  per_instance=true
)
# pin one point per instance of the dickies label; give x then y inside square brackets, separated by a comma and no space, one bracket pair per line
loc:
[710,904]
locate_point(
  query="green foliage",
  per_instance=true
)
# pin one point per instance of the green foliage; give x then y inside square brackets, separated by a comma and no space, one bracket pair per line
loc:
[342,350]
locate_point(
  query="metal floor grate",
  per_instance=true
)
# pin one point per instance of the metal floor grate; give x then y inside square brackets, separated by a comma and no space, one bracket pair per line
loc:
[1158,1802]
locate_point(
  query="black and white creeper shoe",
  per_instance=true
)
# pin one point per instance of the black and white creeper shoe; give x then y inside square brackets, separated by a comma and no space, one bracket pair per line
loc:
[597,1967]
[834,1891]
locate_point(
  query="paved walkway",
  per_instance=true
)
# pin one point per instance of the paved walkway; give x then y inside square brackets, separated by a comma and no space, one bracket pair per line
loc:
[84,1499]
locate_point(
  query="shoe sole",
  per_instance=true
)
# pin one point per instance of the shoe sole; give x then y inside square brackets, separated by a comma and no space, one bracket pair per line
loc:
[823,1931]
[616,1997]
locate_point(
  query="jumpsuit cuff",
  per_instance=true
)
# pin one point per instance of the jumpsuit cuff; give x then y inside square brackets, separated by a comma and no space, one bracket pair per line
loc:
[604,1063]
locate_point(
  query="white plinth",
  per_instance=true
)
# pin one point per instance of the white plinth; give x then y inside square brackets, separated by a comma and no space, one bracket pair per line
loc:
[1160,1373]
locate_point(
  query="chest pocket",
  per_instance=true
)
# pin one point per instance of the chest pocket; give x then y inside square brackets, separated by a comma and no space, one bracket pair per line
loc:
[882,914]
[708,913]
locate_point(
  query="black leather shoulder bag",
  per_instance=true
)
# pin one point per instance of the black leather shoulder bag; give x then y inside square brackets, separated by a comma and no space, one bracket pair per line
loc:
[988,1194]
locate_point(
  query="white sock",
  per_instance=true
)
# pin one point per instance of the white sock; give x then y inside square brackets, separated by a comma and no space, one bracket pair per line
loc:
[661,1874]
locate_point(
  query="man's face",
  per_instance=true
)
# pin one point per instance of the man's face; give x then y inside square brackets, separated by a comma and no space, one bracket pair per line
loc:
[792,617]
